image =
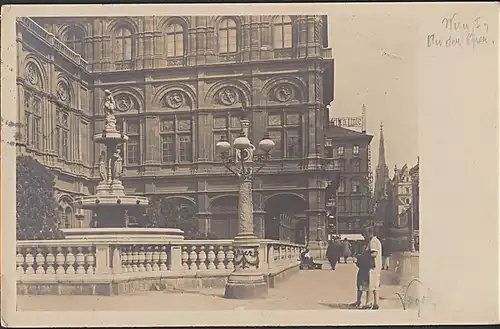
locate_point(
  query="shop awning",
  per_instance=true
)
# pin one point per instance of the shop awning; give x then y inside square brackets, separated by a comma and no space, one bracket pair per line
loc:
[352,237]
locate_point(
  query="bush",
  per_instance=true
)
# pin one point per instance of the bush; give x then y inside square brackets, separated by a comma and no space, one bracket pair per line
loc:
[36,214]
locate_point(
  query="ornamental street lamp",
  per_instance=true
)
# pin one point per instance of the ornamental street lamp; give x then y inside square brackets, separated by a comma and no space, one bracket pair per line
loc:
[246,281]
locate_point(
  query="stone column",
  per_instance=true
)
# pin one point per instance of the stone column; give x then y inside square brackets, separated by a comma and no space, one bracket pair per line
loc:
[203,223]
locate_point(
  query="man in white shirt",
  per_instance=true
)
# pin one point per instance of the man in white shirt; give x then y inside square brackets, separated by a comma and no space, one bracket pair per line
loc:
[375,248]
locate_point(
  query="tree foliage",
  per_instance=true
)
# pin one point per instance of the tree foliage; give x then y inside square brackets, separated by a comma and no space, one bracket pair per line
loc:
[36,214]
[175,213]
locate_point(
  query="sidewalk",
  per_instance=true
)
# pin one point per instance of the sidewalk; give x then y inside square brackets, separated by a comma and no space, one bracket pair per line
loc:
[306,290]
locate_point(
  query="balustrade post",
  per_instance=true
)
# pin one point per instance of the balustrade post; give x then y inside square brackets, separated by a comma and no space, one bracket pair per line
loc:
[116,260]
[270,256]
[102,261]
[263,257]
[175,258]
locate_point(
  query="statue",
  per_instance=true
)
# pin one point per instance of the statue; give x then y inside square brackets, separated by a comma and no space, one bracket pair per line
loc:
[102,166]
[109,111]
[118,165]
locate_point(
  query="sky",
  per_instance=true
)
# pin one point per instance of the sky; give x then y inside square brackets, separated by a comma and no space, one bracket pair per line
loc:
[376,65]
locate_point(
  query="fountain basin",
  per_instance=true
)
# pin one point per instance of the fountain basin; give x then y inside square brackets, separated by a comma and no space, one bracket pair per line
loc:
[124,235]
[110,136]
[98,201]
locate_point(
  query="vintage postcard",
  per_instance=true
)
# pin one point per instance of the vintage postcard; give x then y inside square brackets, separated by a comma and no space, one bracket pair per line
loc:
[272,164]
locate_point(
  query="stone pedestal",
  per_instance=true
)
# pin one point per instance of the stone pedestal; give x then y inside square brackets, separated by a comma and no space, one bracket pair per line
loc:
[247,281]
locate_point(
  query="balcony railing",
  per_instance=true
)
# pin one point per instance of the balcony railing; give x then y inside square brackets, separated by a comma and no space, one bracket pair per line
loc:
[43,34]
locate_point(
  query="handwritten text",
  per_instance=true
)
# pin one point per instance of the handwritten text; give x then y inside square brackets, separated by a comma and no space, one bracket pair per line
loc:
[460,33]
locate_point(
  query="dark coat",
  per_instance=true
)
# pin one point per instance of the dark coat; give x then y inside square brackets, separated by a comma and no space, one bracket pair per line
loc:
[332,252]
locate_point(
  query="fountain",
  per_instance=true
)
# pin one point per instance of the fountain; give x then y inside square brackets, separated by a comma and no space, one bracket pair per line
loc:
[110,205]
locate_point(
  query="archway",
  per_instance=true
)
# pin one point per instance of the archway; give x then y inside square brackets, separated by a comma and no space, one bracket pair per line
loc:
[285,218]
[224,219]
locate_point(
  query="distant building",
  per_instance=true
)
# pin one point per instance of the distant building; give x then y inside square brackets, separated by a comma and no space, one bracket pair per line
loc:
[349,153]
[396,200]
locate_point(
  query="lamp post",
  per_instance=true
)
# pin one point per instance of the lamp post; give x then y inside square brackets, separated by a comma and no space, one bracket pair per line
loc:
[246,281]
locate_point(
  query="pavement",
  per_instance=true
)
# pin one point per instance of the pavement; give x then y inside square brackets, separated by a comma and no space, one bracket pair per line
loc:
[305,290]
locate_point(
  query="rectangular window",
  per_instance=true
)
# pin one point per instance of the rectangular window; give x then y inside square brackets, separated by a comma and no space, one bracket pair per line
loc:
[355,149]
[132,146]
[293,145]
[167,148]
[185,148]
[356,165]
[85,142]
[340,150]
[341,188]
[341,205]
[65,144]
[227,125]
[284,130]
[276,137]
[356,187]
[176,140]
[62,134]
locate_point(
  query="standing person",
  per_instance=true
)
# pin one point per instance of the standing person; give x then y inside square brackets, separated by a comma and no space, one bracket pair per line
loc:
[331,254]
[338,247]
[386,254]
[346,250]
[363,262]
[375,249]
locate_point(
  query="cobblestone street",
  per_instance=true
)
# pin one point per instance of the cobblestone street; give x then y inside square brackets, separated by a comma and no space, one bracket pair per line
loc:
[306,290]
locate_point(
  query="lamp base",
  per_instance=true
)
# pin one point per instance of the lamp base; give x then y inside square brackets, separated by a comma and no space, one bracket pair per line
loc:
[241,285]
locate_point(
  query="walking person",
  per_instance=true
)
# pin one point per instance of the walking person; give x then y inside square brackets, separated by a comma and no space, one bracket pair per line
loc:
[332,254]
[346,250]
[375,248]
[386,254]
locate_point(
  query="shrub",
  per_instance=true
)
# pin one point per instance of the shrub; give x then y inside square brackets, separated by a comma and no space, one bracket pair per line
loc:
[36,214]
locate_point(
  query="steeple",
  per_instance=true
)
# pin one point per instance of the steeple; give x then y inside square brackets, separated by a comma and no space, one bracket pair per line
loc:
[381,147]
[382,172]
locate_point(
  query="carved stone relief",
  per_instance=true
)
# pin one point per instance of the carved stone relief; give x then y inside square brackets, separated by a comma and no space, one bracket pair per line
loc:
[283,93]
[62,91]
[32,74]
[227,96]
[124,103]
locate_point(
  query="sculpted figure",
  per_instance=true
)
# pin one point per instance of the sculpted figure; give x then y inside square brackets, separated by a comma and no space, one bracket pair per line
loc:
[118,165]
[102,166]
[109,111]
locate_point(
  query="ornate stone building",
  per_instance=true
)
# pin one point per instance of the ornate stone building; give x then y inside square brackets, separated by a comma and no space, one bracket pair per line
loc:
[180,83]
[349,151]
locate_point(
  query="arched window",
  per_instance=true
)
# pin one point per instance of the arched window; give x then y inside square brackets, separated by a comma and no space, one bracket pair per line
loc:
[282,32]
[227,36]
[123,44]
[68,217]
[74,39]
[175,40]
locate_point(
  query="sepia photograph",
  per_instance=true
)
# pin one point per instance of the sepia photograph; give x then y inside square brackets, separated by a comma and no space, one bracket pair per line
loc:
[205,162]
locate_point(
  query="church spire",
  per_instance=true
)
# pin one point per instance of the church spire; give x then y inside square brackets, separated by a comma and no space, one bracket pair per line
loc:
[382,172]
[381,147]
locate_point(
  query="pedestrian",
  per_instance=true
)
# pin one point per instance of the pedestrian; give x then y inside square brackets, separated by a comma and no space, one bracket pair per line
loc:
[332,254]
[375,248]
[346,250]
[386,254]
[363,262]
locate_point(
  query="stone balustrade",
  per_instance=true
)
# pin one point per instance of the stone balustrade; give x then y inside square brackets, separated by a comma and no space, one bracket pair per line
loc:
[404,267]
[75,261]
